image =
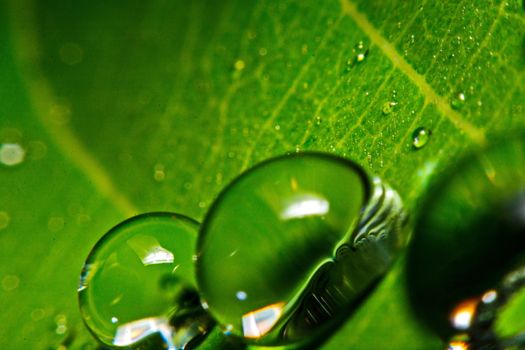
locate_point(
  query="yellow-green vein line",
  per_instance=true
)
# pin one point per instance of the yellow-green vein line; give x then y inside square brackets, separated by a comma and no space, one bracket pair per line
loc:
[42,99]
[350,9]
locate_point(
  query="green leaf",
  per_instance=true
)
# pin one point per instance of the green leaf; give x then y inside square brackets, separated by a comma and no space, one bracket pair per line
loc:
[128,107]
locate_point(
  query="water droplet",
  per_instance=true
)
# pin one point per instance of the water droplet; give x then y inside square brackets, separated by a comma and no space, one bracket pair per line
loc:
[420,137]
[476,211]
[263,51]
[277,127]
[4,220]
[123,294]
[388,107]
[458,101]
[280,282]
[10,282]
[360,52]
[11,154]
[239,65]
[318,120]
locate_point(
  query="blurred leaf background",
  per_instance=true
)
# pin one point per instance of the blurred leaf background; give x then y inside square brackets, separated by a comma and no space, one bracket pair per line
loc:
[125,107]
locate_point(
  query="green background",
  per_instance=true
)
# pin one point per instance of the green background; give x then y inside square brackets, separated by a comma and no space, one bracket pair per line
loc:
[134,106]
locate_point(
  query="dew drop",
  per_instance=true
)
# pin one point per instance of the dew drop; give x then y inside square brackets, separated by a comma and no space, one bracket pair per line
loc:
[266,287]
[263,51]
[360,52]
[388,107]
[420,137]
[11,154]
[138,282]
[458,101]
[4,220]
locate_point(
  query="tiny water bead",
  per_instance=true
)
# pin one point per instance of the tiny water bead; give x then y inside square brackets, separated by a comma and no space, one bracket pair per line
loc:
[469,234]
[138,283]
[289,247]
[420,137]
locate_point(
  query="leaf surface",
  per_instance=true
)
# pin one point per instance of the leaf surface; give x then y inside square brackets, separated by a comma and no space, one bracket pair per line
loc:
[128,107]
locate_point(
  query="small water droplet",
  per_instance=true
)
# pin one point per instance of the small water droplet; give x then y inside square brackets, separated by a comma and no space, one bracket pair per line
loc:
[138,282]
[388,107]
[458,101]
[263,51]
[318,120]
[4,220]
[360,52]
[420,137]
[277,127]
[239,65]
[11,154]
[10,282]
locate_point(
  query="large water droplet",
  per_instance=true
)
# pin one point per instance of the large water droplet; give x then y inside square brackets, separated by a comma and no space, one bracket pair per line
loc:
[470,231]
[11,154]
[420,137]
[138,282]
[293,243]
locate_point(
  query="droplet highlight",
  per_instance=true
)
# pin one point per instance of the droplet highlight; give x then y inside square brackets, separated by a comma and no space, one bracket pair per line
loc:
[138,282]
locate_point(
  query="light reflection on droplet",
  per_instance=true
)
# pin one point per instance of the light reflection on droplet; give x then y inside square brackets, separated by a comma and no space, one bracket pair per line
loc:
[241,295]
[259,322]
[305,205]
[461,316]
[489,296]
